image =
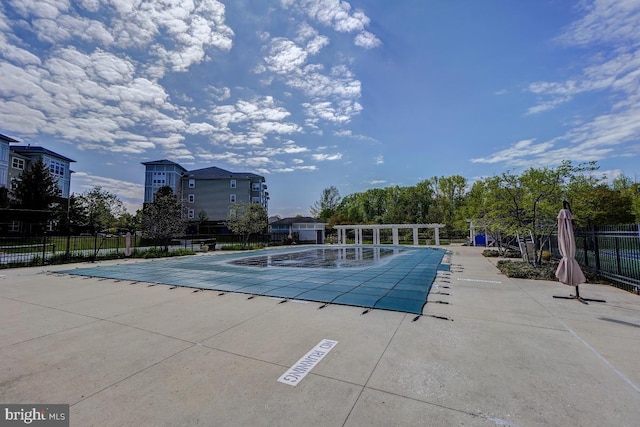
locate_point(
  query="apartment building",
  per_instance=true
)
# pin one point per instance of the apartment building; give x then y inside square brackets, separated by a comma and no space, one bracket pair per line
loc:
[211,189]
[21,156]
[14,159]
[4,160]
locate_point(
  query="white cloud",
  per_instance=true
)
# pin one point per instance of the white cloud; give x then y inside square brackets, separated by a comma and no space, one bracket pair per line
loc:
[326,157]
[284,56]
[94,93]
[379,160]
[258,117]
[338,15]
[289,148]
[16,54]
[314,41]
[331,112]
[349,134]
[333,95]
[367,40]
[610,32]
[519,150]
[115,77]
[547,105]
[605,21]
[294,168]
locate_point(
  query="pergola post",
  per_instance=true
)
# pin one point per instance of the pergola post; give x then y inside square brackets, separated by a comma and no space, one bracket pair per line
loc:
[359,233]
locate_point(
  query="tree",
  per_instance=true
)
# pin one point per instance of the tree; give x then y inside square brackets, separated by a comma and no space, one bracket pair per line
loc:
[99,209]
[326,207]
[246,219]
[162,220]
[35,194]
[202,218]
[527,205]
[630,189]
[129,222]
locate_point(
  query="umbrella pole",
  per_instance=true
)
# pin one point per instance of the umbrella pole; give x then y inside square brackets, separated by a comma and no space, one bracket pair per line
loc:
[587,299]
[579,298]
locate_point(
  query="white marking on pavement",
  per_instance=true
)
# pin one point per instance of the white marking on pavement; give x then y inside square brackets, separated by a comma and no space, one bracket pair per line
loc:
[302,367]
[601,357]
[478,280]
[500,422]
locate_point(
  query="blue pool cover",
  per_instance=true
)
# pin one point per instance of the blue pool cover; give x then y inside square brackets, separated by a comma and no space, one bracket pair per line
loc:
[395,278]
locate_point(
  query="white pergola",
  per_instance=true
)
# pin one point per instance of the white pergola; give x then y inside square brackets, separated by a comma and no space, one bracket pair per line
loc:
[342,232]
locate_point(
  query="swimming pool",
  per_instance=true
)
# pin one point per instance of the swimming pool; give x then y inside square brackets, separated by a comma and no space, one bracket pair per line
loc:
[325,257]
[389,278]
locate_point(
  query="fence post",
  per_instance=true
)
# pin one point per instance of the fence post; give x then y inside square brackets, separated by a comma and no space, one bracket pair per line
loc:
[68,252]
[95,247]
[586,249]
[44,247]
[618,266]
[596,249]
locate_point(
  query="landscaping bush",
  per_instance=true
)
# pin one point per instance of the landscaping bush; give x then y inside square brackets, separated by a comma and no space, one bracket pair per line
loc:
[545,271]
[524,270]
[240,247]
[490,253]
[161,253]
[512,253]
[494,253]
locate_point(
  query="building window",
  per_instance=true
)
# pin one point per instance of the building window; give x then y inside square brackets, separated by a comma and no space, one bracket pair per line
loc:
[233,183]
[192,214]
[192,198]
[56,168]
[17,163]
[192,183]
[255,186]
[14,226]
[255,199]
[232,198]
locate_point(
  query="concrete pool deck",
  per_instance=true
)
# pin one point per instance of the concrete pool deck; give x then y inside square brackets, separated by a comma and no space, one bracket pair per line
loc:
[130,354]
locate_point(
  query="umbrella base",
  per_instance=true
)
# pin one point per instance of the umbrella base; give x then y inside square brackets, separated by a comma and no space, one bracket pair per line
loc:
[579,298]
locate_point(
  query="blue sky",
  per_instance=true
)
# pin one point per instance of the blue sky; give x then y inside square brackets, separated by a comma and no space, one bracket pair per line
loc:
[315,93]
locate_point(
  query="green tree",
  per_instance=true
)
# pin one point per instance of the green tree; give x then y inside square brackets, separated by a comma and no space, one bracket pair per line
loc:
[629,189]
[162,220]
[100,209]
[448,200]
[129,222]
[527,205]
[326,207]
[202,218]
[246,219]
[35,195]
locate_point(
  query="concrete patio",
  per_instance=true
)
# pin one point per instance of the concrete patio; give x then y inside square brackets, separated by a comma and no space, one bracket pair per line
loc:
[124,354]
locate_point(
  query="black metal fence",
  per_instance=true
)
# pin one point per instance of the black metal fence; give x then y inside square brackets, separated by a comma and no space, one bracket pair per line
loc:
[54,249]
[610,252]
[50,249]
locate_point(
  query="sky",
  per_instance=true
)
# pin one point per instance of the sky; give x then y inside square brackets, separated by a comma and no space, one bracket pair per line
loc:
[318,93]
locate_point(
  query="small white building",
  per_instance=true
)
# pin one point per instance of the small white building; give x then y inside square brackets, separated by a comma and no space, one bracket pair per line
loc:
[298,229]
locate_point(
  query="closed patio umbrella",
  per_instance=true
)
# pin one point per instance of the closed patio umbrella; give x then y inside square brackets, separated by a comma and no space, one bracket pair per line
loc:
[569,271]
